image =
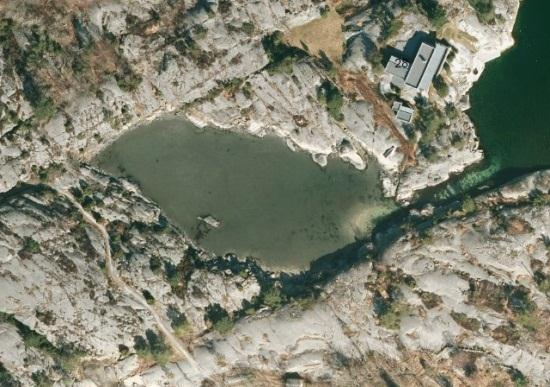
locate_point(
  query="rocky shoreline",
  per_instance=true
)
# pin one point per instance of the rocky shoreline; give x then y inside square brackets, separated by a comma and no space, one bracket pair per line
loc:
[99,288]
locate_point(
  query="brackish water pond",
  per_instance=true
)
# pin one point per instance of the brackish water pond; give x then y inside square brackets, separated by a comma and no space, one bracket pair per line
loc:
[274,204]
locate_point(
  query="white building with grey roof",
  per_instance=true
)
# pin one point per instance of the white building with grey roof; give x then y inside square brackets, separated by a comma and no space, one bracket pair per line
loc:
[419,74]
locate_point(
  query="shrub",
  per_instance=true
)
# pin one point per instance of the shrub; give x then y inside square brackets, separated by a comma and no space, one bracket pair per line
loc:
[224,6]
[433,11]
[178,322]
[441,86]
[344,7]
[6,379]
[155,264]
[199,31]
[466,322]
[148,297]
[152,347]
[468,206]
[41,379]
[518,378]
[451,111]
[66,356]
[388,311]
[248,28]
[273,298]
[31,246]
[330,95]
[127,79]
[220,319]
[224,325]
[429,122]
[281,56]
[485,10]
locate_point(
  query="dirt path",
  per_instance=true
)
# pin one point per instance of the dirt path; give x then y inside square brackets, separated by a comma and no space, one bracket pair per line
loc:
[383,114]
[122,286]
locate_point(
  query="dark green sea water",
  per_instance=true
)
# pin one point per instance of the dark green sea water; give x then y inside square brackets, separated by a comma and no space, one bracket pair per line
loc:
[511,101]
[510,107]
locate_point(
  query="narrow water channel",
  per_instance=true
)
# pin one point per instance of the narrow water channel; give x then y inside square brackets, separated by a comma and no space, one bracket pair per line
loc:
[273,204]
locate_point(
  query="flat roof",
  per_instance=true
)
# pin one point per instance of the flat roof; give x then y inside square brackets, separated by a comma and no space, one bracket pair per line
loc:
[397,67]
[404,115]
[434,66]
[419,65]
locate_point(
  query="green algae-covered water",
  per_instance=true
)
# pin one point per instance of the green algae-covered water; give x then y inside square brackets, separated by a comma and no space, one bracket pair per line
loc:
[273,204]
[511,101]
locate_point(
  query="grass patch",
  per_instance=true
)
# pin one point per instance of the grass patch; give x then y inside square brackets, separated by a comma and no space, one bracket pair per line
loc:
[329,27]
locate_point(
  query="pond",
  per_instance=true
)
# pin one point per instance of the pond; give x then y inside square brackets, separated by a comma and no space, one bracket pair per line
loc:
[272,203]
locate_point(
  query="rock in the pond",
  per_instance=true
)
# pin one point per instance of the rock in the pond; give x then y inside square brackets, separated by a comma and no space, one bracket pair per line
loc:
[210,221]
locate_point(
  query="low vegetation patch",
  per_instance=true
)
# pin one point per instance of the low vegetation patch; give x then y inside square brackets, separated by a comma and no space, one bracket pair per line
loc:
[178,322]
[281,56]
[390,309]
[441,86]
[152,347]
[332,98]
[429,121]
[65,356]
[433,11]
[6,379]
[219,318]
[329,26]
[466,322]
[485,10]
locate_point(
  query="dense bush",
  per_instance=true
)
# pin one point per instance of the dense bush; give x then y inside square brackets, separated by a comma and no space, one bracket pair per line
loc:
[152,347]
[273,298]
[485,10]
[433,11]
[178,321]
[330,95]
[65,356]
[6,379]
[219,318]
[429,122]
[281,56]
[441,86]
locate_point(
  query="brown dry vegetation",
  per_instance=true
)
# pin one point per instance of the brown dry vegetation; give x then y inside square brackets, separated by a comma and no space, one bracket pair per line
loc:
[323,34]
[355,83]
[452,33]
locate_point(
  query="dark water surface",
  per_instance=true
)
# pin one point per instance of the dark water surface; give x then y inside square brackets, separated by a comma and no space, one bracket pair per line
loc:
[511,101]
[274,204]
[510,109]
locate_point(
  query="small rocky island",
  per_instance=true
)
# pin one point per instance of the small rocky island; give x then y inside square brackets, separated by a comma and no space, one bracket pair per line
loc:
[100,288]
